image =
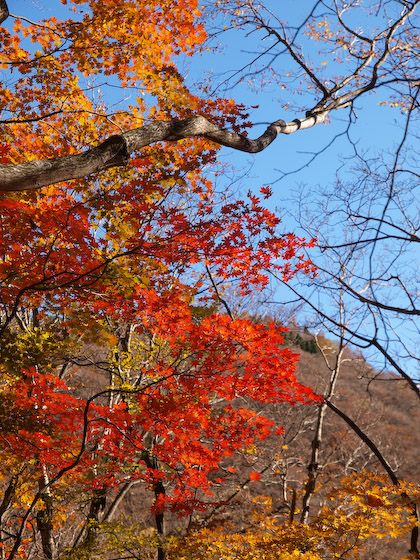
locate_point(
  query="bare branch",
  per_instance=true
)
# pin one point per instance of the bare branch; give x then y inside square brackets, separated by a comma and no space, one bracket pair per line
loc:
[366,440]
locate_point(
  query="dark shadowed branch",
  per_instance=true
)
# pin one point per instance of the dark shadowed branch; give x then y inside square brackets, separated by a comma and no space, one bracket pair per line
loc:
[4,11]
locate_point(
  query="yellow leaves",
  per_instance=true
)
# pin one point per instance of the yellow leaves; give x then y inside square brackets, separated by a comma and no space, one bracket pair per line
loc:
[108,338]
[145,280]
[258,542]
[367,506]
[119,536]
[31,348]
[404,104]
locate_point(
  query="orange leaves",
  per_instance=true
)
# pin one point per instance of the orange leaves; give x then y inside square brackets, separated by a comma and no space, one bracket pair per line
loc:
[158,505]
[266,192]
[56,96]
[142,248]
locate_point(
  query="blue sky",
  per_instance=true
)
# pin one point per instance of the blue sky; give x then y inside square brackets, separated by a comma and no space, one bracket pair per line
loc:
[375,128]
[286,165]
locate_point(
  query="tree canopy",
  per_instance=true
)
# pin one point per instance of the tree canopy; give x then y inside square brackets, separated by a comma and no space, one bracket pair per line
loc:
[123,363]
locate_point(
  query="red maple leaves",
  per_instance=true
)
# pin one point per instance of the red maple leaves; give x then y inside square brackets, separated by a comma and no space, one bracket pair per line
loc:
[126,273]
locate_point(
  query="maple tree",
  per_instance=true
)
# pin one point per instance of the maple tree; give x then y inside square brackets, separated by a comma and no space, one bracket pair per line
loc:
[133,45]
[117,268]
[134,262]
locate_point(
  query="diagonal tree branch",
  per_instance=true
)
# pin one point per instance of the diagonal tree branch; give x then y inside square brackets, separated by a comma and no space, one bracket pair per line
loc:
[414,550]
[116,150]
[4,11]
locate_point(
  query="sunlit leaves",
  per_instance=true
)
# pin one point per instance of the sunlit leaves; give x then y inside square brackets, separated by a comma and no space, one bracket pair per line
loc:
[366,507]
[118,277]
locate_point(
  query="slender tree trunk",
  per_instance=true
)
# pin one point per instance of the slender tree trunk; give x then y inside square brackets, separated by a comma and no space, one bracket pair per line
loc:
[414,542]
[159,490]
[292,506]
[317,439]
[8,497]
[118,499]
[44,518]
[85,540]
[97,505]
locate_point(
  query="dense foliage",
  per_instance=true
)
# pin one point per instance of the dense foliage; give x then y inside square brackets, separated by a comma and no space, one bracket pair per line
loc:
[121,361]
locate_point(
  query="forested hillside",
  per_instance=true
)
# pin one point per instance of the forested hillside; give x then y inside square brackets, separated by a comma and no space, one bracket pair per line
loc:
[268,480]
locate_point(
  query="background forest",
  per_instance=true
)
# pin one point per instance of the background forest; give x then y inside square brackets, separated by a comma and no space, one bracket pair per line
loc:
[206,354]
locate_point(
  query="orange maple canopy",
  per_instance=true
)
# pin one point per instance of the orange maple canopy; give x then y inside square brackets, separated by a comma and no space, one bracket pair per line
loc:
[121,276]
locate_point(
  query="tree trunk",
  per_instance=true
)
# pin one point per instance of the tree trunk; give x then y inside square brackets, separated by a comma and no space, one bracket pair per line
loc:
[317,439]
[116,150]
[44,517]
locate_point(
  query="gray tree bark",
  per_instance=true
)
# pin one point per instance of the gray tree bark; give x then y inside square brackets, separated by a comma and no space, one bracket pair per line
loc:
[4,11]
[116,150]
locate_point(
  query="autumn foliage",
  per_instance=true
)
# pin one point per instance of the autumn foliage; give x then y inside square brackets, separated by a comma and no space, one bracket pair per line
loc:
[132,263]
[121,362]
[361,507]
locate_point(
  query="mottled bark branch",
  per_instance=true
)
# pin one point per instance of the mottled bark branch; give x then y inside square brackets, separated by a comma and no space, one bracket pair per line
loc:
[116,150]
[4,11]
